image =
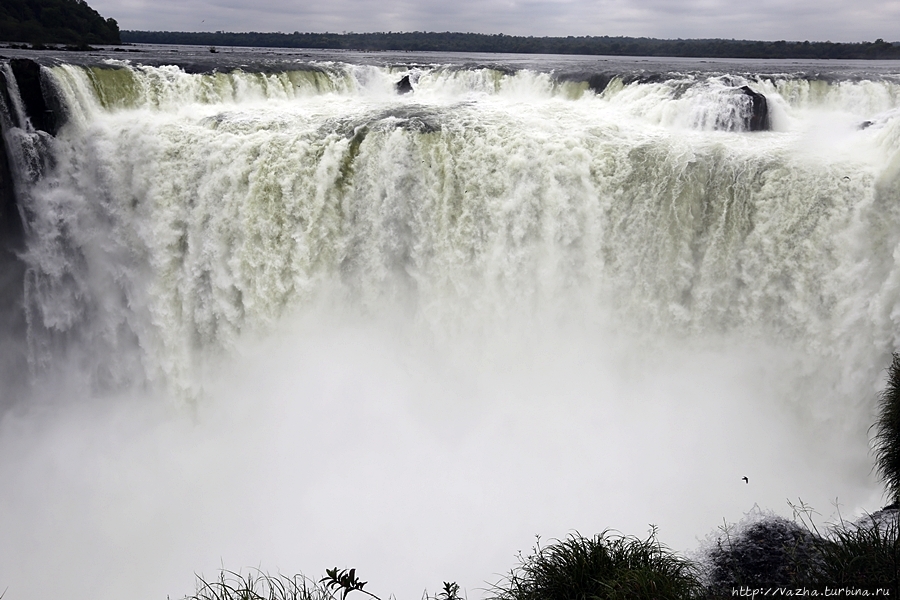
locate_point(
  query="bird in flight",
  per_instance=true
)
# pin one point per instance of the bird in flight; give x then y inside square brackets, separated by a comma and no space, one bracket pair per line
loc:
[744,478]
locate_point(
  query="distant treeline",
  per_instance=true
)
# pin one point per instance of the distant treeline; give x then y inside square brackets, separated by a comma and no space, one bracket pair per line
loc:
[55,22]
[477,42]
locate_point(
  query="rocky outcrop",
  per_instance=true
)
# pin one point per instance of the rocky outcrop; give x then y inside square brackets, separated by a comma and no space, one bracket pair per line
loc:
[40,111]
[13,324]
[758,120]
[10,222]
[40,100]
[403,86]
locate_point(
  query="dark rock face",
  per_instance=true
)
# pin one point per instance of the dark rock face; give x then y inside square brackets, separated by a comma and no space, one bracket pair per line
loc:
[41,103]
[597,83]
[11,231]
[14,369]
[759,110]
[13,324]
[43,109]
[403,86]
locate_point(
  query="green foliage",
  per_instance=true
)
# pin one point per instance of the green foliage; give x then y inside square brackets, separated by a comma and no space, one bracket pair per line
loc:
[774,552]
[476,42]
[864,555]
[768,553]
[260,586]
[344,580]
[887,432]
[450,592]
[55,21]
[603,567]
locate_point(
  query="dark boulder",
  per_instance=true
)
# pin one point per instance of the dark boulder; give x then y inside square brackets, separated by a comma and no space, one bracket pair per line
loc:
[403,86]
[597,83]
[758,119]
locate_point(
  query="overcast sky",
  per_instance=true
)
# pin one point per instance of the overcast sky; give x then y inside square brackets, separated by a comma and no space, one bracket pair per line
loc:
[813,20]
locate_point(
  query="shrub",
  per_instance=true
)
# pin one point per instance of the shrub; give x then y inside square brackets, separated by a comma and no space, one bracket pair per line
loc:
[770,552]
[887,432]
[603,567]
[864,554]
[773,552]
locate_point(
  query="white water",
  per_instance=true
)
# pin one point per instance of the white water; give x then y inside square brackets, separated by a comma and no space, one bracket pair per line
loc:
[295,321]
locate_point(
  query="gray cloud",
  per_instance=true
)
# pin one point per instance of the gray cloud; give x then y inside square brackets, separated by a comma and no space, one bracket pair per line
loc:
[833,20]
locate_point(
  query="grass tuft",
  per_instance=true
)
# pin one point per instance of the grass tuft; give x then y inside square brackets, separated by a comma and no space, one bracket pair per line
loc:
[603,567]
[865,554]
[887,432]
[258,586]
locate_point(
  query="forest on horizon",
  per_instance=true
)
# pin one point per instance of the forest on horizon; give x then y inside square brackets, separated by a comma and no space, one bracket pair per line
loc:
[73,22]
[419,41]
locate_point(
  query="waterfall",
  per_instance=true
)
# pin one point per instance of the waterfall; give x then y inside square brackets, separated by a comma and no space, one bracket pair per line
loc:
[226,199]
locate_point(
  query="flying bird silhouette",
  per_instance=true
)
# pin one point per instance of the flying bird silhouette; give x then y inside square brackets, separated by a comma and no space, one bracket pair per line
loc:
[745,479]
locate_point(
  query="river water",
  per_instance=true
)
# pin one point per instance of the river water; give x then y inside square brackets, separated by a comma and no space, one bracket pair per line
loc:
[281,316]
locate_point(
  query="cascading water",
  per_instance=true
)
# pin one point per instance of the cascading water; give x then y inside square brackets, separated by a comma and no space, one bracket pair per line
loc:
[288,315]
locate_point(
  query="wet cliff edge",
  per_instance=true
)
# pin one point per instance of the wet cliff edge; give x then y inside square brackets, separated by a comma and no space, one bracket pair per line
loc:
[24,81]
